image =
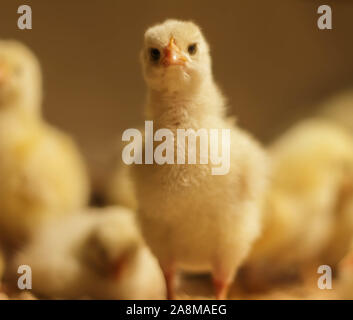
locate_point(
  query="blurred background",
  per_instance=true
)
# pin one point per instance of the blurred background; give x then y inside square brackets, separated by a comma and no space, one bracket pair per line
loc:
[270,58]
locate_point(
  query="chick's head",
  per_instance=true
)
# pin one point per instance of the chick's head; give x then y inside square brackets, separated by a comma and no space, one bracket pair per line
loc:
[175,57]
[112,245]
[20,77]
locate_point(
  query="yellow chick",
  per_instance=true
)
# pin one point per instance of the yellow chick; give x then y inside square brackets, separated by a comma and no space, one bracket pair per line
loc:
[97,254]
[121,189]
[339,108]
[194,220]
[41,171]
[312,169]
[344,283]
[342,233]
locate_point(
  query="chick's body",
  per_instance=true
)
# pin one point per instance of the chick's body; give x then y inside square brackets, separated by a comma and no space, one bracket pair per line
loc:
[97,253]
[120,190]
[191,219]
[41,173]
[312,162]
[339,108]
[344,282]
[41,170]
[196,220]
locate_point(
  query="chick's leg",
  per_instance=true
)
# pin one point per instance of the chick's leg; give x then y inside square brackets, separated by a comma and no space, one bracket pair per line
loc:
[221,288]
[222,279]
[169,276]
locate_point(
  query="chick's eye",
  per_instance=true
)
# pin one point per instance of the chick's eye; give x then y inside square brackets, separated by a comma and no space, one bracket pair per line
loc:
[192,48]
[155,54]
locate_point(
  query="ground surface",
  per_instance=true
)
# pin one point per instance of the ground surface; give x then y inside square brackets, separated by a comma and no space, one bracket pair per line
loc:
[199,287]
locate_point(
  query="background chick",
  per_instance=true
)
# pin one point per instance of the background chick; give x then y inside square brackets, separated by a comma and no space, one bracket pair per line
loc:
[120,189]
[342,234]
[307,205]
[339,108]
[191,219]
[96,254]
[41,171]
[344,283]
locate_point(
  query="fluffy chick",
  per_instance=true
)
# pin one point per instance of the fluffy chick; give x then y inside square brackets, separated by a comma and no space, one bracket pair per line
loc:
[191,219]
[97,253]
[344,283]
[339,108]
[342,234]
[41,171]
[120,190]
[307,198]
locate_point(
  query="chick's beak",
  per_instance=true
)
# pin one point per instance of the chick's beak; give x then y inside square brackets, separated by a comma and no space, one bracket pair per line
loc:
[118,267]
[173,56]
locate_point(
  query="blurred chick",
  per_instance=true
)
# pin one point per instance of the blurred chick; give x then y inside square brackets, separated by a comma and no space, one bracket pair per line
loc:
[342,235]
[308,197]
[191,219]
[96,254]
[339,108]
[344,283]
[121,189]
[41,171]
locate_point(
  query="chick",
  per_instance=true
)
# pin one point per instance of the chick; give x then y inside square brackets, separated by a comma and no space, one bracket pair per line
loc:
[121,189]
[312,171]
[97,253]
[342,234]
[339,108]
[191,219]
[41,171]
[344,283]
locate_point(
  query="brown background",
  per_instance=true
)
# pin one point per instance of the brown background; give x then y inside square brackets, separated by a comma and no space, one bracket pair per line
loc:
[270,58]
